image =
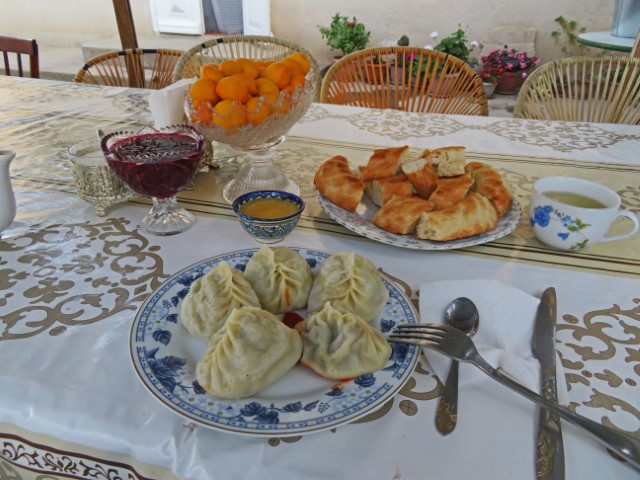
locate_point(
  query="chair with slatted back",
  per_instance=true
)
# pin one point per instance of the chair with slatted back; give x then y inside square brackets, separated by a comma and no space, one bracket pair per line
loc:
[255,47]
[405,78]
[583,89]
[139,67]
[19,47]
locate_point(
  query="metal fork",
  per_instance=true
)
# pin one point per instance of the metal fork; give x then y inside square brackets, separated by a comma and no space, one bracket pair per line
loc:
[455,344]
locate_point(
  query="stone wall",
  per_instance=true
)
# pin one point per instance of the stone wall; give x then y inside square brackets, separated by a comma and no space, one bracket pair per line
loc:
[72,22]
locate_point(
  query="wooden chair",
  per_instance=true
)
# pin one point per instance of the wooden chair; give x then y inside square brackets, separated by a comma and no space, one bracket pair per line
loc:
[405,78]
[255,47]
[139,67]
[584,89]
[20,46]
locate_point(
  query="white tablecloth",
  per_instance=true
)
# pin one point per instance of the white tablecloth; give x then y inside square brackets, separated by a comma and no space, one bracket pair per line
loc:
[67,369]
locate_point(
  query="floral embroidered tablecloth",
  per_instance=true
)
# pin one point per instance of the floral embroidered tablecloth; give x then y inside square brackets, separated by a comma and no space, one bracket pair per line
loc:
[71,282]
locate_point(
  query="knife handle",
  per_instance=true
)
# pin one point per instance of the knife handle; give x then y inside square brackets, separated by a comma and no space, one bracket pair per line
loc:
[623,444]
[447,411]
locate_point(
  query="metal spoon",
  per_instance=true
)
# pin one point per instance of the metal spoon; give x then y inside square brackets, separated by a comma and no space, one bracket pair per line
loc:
[463,315]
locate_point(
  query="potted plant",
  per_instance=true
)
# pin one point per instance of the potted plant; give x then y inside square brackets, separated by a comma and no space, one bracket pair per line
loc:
[509,67]
[489,81]
[345,35]
[396,63]
[456,44]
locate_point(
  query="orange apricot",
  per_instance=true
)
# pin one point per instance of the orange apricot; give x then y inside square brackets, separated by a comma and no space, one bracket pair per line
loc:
[293,65]
[297,80]
[203,89]
[229,67]
[211,71]
[232,88]
[229,114]
[202,112]
[249,81]
[266,86]
[282,105]
[279,73]
[248,66]
[272,97]
[258,109]
[303,60]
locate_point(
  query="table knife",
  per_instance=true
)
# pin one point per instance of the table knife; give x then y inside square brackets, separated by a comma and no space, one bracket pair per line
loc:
[549,446]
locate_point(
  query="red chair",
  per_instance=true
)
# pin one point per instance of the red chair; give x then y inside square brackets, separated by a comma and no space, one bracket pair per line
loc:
[20,46]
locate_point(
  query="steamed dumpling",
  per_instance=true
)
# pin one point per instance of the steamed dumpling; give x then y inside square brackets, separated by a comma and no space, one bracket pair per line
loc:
[350,282]
[211,299]
[251,351]
[339,345]
[280,277]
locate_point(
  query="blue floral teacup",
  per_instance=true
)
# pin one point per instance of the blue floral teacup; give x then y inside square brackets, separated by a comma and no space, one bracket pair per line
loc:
[570,213]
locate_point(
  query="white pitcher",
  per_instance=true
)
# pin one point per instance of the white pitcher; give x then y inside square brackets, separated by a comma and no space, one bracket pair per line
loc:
[7,198]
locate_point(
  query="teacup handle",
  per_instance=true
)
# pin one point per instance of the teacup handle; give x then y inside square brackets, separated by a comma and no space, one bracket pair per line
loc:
[636,226]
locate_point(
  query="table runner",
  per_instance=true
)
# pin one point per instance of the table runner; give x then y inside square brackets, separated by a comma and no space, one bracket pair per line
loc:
[300,157]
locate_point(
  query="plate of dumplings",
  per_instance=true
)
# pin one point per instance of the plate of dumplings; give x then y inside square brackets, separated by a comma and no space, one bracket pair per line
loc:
[278,341]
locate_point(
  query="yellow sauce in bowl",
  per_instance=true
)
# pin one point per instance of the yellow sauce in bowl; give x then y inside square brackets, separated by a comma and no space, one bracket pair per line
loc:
[269,208]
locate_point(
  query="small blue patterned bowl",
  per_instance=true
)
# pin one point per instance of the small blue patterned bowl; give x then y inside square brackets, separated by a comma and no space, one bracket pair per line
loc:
[272,230]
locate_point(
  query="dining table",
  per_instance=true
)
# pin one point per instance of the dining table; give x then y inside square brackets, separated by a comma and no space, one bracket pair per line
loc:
[73,285]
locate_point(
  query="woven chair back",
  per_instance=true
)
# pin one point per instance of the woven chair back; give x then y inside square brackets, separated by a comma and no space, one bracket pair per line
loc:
[583,89]
[405,78]
[139,67]
[10,46]
[254,47]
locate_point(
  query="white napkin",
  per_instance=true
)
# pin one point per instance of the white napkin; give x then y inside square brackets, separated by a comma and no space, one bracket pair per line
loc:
[503,339]
[167,104]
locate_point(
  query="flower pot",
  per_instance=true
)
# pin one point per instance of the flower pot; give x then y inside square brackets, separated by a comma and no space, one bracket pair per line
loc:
[438,86]
[489,88]
[508,83]
[376,73]
[444,85]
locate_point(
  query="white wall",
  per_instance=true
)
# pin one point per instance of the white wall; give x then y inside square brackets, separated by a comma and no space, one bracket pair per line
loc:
[71,22]
[68,22]
[297,20]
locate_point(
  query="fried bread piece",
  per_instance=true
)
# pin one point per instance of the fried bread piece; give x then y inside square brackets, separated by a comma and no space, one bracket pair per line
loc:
[422,176]
[489,182]
[335,180]
[449,161]
[450,191]
[400,214]
[385,162]
[471,216]
[382,189]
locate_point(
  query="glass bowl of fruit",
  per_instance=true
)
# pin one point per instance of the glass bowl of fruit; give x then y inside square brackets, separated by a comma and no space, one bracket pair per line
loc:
[157,163]
[250,106]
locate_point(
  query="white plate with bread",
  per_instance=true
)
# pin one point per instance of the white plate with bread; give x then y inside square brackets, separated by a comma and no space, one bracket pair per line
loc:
[433,200]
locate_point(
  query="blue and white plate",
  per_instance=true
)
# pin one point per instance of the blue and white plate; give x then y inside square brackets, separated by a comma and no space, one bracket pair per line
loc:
[165,356]
[360,222]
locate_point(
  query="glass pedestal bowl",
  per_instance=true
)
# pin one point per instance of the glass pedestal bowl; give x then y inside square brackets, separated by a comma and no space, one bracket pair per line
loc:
[159,164]
[257,142]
